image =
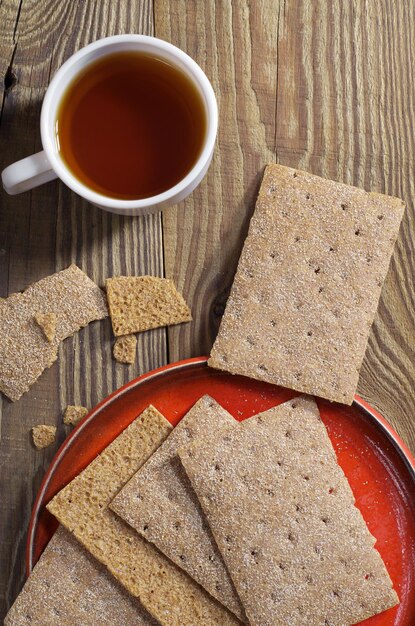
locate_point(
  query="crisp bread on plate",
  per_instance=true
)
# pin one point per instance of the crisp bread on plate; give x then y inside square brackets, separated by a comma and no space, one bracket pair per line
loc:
[25,351]
[138,303]
[164,590]
[283,515]
[160,504]
[308,284]
[69,587]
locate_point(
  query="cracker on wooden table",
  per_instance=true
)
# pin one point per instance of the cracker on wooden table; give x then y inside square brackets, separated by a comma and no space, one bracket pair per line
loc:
[43,435]
[125,349]
[24,353]
[283,516]
[70,588]
[160,504]
[166,592]
[47,322]
[138,303]
[308,284]
[74,414]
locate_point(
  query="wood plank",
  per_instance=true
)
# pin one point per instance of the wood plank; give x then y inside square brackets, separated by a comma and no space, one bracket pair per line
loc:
[345,110]
[236,44]
[44,231]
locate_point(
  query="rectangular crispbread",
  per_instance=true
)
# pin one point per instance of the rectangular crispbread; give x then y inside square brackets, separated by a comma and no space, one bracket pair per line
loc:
[161,505]
[138,303]
[165,591]
[283,516]
[308,284]
[75,301]
[70,588]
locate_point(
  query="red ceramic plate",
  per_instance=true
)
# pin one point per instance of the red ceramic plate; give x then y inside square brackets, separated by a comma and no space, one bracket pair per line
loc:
[378,465]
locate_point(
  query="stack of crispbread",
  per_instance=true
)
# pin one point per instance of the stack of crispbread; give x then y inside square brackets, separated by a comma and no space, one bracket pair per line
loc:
[256,516]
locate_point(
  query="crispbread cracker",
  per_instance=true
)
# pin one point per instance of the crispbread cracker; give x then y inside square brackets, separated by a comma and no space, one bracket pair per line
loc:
[24,352]
[283,516]
[308,284]
[70,588]
[82,507]
[161,505]
[138,303]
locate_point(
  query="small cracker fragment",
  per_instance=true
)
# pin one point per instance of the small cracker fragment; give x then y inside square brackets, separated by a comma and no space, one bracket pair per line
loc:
[47,322]
[308,284]
[82,507]
[160,504]
[24,354]
[43,435]
[69,587]
[138,303]
[283,516]
[125,348]
[74,413]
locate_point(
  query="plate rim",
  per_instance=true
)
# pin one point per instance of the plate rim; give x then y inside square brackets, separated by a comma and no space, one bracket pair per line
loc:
[382,423]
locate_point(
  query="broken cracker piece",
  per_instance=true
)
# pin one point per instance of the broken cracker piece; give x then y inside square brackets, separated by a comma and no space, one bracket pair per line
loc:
[24,354]
[124,349]
[47,322]
[73,414]
[43,435]
[138,303]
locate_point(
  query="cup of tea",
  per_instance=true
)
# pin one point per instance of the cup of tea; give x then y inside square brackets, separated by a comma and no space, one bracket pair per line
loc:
[128,122]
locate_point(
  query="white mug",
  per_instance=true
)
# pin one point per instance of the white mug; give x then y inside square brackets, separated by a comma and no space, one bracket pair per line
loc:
[47,165]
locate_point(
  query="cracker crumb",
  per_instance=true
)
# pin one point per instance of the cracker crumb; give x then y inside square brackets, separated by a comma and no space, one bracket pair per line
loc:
[43,435]
[124,349]
[74,413]
[47,322]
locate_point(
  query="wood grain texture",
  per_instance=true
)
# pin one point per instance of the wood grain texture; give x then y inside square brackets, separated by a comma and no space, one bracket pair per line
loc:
[44,231]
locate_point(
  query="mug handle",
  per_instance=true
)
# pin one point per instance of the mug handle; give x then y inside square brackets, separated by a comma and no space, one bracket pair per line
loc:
[27,174]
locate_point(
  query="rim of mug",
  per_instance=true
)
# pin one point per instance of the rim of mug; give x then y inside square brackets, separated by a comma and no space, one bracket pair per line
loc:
[196,74]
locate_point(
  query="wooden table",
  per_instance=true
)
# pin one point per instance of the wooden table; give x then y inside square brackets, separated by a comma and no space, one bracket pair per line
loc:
[324,86]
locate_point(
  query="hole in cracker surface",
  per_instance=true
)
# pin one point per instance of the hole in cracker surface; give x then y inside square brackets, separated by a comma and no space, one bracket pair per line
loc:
[343,206]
